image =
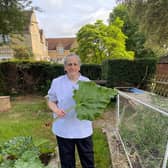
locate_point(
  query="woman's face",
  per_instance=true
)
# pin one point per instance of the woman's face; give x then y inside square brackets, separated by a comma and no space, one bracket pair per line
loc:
[72,67]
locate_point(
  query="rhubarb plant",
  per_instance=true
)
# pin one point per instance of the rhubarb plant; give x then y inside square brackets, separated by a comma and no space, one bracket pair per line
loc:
[92,99]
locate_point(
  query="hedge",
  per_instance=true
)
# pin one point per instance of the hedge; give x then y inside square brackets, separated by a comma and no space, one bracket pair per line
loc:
[29,77]
[135,73]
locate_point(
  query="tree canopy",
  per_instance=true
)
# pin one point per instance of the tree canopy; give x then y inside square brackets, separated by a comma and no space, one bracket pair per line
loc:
[97,42]
[12,17]
[136,39]
[152,18]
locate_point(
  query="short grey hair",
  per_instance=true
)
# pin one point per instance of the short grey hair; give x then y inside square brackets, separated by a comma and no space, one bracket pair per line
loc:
[72,55]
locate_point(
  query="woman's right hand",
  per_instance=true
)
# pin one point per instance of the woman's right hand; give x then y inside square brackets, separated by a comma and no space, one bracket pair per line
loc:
[60,113]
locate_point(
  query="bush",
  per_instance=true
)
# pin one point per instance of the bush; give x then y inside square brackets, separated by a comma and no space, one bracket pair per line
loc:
[22,77]
[135,73]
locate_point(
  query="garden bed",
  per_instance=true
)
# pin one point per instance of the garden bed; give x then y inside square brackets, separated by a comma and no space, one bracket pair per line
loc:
[5,103]
[142,126]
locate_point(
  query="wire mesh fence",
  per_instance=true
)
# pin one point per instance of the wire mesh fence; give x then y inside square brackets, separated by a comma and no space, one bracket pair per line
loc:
[143,127]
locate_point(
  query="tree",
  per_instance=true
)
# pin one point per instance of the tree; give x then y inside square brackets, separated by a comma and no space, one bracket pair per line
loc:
[136,39]
[12,19]
[22,53]
[97,42]
[152,17]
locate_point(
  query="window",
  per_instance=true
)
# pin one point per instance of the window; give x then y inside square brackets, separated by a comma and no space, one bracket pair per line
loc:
[60,50]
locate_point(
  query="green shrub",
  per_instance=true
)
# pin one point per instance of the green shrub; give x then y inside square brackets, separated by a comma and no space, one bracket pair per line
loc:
[135,73]
[22,77]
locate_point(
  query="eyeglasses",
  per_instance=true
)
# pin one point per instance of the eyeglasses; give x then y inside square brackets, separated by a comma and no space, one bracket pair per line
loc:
[74,64]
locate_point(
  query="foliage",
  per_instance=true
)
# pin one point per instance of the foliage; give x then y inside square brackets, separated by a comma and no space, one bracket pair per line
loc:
[45,146]
[91,104]
[152,17]
[29,159]
[101,149]
[21,77]
[12,19]
[22,53]
[136,39]
[145,133]
[15,147]
[98,42]
[22,151]
[7,164]
[92,71]
[137,73]
[160,102]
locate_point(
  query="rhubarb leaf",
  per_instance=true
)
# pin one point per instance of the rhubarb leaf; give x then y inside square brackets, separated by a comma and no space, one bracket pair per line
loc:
[92,99]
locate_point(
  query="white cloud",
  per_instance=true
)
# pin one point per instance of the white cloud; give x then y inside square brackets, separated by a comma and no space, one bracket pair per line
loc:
[58,3]
[83,9]
[65,17]
[48,4]
[101,14]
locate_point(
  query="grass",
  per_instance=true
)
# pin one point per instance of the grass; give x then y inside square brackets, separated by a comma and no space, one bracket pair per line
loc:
[26,118]
[30,116]
[102,155]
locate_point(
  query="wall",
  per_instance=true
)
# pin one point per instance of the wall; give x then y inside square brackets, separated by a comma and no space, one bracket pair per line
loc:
[162,68]
[33,38]
[39,47]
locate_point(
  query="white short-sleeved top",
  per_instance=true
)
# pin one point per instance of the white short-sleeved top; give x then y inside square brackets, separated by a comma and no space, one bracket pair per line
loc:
[61,91]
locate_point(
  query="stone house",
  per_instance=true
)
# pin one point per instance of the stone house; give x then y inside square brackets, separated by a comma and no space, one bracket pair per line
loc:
[33,39]
[58,48]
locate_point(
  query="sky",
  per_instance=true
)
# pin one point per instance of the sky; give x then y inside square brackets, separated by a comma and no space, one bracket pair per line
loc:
[63,18]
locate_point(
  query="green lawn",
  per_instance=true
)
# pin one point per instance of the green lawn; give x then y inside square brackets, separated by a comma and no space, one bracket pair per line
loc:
[26,118]
[29,116]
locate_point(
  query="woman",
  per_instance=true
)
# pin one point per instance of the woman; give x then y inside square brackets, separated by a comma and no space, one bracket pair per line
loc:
[69,130]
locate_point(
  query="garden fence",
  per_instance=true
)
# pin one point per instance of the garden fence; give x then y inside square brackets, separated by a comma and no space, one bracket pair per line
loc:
[143,128]
[161,85]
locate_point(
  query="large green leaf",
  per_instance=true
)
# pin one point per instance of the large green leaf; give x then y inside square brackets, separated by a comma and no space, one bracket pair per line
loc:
[92,99]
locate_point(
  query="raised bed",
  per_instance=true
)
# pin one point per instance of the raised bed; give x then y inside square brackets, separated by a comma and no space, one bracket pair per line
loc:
[5,104]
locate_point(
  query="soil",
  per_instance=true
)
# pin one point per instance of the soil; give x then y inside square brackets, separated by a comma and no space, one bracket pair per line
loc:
[108,118]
